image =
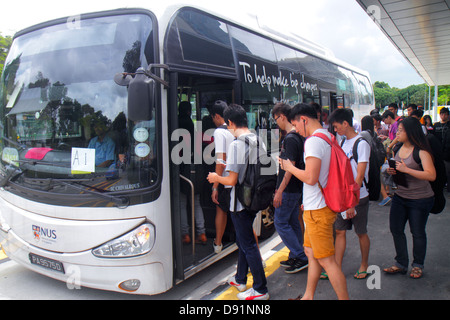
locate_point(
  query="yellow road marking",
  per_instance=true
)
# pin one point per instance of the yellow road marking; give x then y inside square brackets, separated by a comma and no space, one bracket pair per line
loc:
[2,254]
[273,263]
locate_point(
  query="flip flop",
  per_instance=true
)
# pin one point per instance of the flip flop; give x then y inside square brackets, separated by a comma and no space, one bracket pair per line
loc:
[395,270]
[324,276]
[362,273]
[416,273]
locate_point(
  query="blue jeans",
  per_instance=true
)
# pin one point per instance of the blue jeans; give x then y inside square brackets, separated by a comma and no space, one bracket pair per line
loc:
[288,225]
[249,255]
[416,212]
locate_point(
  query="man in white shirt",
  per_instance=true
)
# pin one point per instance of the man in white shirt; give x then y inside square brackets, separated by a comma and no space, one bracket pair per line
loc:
[220,194]
[341,120]
[318,218]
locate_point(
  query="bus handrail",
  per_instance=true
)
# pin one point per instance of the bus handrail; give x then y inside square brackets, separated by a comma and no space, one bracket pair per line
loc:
[192,210]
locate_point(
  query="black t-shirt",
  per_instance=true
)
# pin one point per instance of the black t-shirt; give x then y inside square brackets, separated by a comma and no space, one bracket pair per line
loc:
[292,148]
[440,129]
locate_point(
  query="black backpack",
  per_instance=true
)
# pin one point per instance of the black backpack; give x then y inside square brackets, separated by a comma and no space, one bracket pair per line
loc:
[374,184]
[255,193]
[441,175]
[379,149]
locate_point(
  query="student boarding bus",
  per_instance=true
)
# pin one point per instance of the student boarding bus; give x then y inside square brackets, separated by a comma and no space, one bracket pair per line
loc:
[91,191]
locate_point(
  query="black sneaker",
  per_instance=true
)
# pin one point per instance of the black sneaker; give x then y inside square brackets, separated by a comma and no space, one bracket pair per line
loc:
[297,266]
[288,263]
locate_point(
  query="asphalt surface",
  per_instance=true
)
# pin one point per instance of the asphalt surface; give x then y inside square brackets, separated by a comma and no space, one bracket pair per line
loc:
[434,285]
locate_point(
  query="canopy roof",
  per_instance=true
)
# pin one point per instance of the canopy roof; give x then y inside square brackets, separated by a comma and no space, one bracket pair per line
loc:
[420,29]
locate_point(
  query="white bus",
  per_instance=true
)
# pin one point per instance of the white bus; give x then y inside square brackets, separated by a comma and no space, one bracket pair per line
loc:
[89,193]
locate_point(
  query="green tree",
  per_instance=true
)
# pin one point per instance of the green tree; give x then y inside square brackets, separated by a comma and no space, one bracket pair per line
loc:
[444,95]
[5,44]
[384,94]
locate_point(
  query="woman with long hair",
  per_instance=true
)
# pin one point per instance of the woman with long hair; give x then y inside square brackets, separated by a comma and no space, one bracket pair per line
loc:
[428,124]
[413,199]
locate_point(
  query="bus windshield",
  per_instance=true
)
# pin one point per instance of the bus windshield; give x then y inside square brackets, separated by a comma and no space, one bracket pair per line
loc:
[64,126]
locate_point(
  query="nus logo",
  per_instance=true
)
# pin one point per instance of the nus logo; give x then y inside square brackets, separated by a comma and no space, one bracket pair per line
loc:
[46,233]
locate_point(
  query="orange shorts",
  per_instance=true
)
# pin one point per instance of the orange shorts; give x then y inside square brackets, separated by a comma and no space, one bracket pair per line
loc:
[319,232]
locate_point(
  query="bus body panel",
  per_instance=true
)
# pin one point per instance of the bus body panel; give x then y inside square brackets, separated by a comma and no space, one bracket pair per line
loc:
[84,270]
[154,270]
[61,235]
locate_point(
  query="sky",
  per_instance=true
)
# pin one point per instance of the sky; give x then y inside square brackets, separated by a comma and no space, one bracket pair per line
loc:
[342,26]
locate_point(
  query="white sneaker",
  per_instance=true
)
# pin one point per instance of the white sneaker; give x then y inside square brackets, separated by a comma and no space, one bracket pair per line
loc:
[217,249]
[241,287]
[252,294]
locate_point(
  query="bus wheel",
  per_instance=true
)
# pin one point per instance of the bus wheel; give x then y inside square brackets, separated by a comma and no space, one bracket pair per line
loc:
[267,223]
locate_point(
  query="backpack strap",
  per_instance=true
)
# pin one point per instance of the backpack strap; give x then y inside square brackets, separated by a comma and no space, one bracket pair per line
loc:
[355,154]
[327,140]
[355,149]
[323,137]
[416,156]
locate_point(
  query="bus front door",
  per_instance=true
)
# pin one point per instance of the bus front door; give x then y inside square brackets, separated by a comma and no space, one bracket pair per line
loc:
[192,135]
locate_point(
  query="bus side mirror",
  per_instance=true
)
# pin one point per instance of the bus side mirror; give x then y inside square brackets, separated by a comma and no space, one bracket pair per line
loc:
[141,97]
[141,91]
[141,94]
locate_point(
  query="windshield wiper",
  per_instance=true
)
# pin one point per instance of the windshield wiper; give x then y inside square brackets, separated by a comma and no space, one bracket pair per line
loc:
[120,202]
[43,163]
[11,174]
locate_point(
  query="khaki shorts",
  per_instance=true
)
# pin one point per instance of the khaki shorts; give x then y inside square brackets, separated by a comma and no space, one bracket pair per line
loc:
[319,232]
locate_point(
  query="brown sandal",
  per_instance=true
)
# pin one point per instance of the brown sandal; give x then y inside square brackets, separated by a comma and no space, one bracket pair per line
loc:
[394,270]
[296,299]
[416,273]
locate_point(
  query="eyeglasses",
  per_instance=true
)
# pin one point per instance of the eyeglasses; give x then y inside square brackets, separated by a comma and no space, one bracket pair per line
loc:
[276,119]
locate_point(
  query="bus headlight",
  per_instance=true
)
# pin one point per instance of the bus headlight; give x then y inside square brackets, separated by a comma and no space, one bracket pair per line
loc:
[135,243]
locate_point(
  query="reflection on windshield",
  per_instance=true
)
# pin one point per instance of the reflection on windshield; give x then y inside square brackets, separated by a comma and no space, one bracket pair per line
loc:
[63,117]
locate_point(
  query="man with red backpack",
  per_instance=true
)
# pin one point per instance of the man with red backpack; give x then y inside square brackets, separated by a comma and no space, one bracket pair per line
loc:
[318,217]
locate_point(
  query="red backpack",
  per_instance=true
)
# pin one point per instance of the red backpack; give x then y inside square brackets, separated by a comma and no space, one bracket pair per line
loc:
[341,192]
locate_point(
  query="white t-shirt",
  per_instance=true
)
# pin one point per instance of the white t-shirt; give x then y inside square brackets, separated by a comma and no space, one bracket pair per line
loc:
[315,147]
[363,156]
[222,140]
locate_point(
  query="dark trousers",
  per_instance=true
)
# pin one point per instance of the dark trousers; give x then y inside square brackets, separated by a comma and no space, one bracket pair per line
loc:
[416,212]
[249,255]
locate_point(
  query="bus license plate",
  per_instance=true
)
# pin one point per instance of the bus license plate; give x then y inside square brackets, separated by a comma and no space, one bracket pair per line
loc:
[46,263]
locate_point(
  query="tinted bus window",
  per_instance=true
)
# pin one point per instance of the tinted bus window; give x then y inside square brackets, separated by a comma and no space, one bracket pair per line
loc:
[201,38]
[257,66]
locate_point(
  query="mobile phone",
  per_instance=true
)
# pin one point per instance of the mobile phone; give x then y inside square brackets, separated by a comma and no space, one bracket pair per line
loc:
[392,163]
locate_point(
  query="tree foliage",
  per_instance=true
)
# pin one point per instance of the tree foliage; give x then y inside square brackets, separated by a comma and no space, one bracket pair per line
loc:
[417,94]
[5,44]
